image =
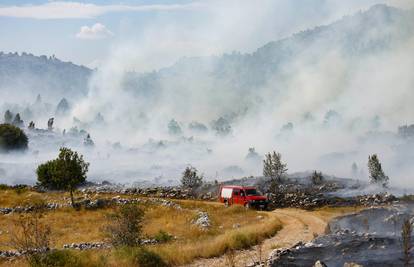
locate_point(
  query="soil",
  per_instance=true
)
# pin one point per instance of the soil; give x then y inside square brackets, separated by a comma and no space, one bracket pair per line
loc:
[298,226]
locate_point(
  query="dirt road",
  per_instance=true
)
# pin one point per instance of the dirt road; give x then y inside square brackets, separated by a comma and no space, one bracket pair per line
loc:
[298,225]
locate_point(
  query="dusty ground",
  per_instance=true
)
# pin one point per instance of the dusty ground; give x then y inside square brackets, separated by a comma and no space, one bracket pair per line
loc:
[298,225]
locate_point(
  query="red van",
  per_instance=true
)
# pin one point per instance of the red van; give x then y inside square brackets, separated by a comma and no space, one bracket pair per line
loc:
[247,196]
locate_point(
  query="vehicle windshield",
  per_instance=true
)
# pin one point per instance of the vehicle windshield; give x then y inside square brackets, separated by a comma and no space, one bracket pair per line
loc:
[251,192]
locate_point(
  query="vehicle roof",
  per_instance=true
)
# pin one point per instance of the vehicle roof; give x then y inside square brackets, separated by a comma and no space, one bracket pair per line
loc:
[238,187]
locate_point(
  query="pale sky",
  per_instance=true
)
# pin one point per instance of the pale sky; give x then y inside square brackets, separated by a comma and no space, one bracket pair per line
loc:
[160,31]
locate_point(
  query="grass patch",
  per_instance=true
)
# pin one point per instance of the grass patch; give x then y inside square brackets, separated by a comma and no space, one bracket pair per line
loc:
[231,229]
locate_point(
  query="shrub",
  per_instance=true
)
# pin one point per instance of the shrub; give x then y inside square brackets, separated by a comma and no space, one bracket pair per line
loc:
[163,236]
[31,234]
[55,258]
[66,172]
[240,241]
[141,257]
[125,225]
[12,138]
[147,258]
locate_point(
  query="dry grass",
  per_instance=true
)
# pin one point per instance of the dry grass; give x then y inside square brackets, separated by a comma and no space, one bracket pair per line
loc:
[71,226]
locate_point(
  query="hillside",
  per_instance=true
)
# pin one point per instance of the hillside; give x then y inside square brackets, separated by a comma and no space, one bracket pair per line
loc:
[28,75]
[243,78]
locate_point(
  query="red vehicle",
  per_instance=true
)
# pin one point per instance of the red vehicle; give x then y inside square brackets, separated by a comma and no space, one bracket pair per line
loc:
[247,196]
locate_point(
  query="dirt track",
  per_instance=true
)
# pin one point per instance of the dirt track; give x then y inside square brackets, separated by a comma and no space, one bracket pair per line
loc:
[298,225]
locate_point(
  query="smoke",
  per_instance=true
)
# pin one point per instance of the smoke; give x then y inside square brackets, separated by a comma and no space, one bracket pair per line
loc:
[344,95]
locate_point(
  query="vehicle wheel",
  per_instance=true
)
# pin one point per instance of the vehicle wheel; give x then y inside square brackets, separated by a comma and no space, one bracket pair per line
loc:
[247,206]
[226,204]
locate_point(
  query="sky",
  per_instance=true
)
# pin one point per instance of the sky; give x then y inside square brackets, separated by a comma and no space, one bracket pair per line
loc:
[89,32]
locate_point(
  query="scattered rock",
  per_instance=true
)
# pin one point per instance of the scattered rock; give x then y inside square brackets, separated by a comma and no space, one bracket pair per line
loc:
[203,220]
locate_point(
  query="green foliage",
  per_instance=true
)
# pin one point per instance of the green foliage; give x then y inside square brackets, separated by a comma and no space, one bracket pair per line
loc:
[163,236]
[125,225]
[55,258]
[64,173]
[147,258]
[191,179]
[377,175]
[141,257]
[274,168]
[12,138]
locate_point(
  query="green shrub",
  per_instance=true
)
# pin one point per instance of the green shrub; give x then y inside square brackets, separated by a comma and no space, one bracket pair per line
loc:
[163,236]
[141,257]
[55,258]
[12,138]
[147,258]
[125,225]
[4,187]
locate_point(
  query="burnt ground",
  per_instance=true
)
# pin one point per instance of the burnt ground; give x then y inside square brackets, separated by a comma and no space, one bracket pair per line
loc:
[369,238]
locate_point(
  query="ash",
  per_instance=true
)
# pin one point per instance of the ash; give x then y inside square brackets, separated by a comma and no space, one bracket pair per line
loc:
[369,238]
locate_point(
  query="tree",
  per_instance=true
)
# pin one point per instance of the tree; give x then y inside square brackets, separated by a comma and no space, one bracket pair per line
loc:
[8,117]
[63,107]
[221,126]
[274,168]
[174,128]
[50,124]
[125,225]
[17,121]
[317,178]
[31,125]
[12,138]
[191,179]
[376,174]
[88,141]
[64,173]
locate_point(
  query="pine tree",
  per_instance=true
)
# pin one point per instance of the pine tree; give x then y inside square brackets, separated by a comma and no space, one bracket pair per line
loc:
[274,168]
[17,121]
[376,174]
[8,117]
[191,179]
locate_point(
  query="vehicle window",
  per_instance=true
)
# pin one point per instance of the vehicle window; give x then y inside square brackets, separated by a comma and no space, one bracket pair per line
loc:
[236,192]
[251,192]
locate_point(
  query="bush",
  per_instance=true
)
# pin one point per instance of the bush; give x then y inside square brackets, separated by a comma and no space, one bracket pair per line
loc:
[55,258]
[147,258]
[142,257]
[125,226]
[163,236]
[12,138]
